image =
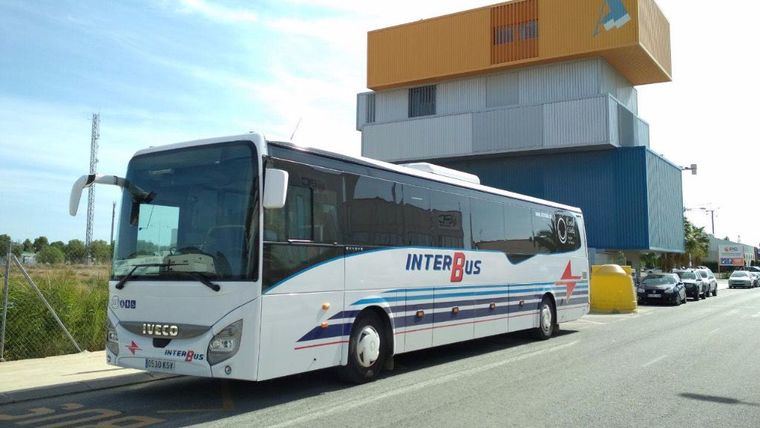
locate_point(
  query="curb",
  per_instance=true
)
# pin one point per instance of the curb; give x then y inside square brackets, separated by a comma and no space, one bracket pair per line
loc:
[58,390]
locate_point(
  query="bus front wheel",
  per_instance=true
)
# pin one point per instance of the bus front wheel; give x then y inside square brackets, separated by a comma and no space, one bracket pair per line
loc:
[367,349]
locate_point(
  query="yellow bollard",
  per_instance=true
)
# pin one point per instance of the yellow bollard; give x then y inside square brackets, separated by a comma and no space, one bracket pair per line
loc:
[612,290]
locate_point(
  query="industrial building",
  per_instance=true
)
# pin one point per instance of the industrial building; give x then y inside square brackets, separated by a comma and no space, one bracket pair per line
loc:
[537,97]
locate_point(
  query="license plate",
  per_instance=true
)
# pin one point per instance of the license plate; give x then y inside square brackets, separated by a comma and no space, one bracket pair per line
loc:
[653,295]
[159,364]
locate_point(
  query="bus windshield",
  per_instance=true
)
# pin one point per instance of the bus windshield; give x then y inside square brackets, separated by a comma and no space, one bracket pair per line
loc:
[198,217]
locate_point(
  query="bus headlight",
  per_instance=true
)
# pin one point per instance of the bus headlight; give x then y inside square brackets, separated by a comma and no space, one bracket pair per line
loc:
[112,339]
[226,343]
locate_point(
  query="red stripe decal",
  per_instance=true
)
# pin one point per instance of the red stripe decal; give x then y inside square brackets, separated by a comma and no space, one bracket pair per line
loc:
[320,344]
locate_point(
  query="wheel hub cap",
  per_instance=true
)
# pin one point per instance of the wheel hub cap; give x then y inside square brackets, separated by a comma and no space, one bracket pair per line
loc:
[546,319]
[368,346]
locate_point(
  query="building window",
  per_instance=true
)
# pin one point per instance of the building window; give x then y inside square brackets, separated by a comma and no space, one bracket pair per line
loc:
[529,30]
[422,101]
[370,113]
[503,35]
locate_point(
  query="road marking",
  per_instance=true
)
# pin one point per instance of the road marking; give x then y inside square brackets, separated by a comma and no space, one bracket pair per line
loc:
[714,331]
[421,385]
[757,315]
[654,361]
[188,411]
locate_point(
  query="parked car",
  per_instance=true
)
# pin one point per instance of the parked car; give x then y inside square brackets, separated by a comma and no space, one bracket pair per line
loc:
[708,277]
[756,273]
[741,278]
[665,288]
[692,280]
[755,277]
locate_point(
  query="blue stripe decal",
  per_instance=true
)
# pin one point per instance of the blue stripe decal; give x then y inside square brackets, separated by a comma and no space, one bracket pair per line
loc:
[449,304]
[344,329]
[464,287]
[407,298]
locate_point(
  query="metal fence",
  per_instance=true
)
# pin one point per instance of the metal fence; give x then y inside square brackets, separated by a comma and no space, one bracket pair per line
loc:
[57,314]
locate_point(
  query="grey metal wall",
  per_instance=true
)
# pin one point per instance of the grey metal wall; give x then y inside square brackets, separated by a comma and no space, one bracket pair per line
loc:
[598,122]
[529,86]
[443,136]
[611,82]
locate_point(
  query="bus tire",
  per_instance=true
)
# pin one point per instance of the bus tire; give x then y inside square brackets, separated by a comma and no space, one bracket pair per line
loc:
[546,321]
[367,349]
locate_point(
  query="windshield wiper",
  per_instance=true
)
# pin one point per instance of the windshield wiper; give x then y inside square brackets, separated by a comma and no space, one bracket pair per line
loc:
[203,279]
[127,277]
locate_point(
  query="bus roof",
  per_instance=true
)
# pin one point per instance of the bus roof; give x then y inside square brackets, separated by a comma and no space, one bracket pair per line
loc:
[363,161]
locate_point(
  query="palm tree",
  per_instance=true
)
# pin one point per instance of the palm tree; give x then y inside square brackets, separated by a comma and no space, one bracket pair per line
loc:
[696,242]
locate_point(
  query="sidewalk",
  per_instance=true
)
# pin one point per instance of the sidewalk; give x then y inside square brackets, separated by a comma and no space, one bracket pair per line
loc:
[66,374]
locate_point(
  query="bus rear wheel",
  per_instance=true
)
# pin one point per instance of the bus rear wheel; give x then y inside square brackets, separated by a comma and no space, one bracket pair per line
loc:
[367,349]
[546,321]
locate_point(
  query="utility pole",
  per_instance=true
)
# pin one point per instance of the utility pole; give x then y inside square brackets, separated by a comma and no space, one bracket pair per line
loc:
[95,136]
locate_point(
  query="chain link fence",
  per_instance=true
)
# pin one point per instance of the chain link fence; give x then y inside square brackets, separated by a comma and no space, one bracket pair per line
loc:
[51,311]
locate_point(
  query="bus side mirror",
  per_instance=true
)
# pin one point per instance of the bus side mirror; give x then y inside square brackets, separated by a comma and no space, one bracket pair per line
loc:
[76,192]
[275,188]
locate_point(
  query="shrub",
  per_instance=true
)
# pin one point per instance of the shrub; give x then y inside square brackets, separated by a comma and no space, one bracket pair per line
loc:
[50,256]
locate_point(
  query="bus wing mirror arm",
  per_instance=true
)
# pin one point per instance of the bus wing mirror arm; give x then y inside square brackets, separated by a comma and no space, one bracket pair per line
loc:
[275,188]
[85,181]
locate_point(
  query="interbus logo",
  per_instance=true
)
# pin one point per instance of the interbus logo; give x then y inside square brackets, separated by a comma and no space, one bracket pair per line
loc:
[457,264]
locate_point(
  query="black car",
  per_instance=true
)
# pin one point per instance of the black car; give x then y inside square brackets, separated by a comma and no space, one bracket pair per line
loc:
[692,280]
[664,288]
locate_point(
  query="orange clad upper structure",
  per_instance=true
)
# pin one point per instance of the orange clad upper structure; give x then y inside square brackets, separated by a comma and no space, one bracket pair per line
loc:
[633,36]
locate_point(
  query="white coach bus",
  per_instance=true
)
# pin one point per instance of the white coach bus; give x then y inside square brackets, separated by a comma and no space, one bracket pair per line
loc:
[243,258]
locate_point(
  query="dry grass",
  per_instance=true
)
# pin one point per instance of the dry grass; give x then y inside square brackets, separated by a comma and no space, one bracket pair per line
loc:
[79,295]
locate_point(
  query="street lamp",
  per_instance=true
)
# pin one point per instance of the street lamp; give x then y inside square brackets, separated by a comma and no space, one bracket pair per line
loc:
[692,168]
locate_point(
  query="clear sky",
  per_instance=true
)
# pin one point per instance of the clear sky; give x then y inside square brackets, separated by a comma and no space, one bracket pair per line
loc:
[167,71]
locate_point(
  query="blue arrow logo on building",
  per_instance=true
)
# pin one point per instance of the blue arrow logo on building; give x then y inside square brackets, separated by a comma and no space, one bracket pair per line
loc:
[616,17]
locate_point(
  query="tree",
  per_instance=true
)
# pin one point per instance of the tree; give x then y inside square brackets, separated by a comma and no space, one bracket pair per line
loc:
[16,249]
[60,245]
[50,255]
[696,242]
[100,251]
[75,251]
[40,243]
[5,240]
[650,260]
[27,246]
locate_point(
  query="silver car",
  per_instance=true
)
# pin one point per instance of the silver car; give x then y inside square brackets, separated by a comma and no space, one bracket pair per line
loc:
[708,278]
[741,278]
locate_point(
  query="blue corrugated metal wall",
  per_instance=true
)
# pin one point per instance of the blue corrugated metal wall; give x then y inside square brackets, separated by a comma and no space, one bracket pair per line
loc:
[663,182]
[626,194]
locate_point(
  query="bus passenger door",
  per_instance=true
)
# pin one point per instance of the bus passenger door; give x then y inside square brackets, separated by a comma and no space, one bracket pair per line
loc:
[303,283]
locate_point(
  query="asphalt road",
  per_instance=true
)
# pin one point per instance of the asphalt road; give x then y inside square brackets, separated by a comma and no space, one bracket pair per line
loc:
[697,364]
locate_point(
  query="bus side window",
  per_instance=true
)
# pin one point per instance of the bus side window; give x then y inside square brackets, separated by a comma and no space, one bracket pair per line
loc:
[311,209]
[488,225]
[373,211]
[519,232]
[299,206]
[545,232]
[418,224]
[450,220]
